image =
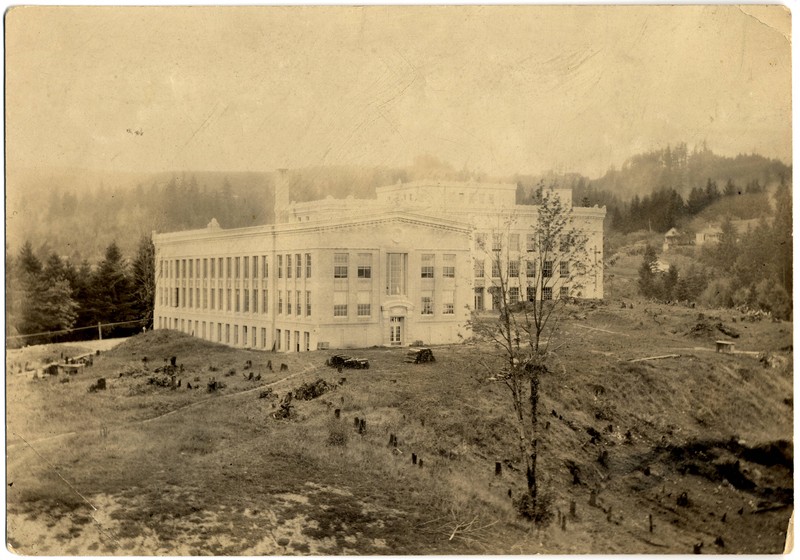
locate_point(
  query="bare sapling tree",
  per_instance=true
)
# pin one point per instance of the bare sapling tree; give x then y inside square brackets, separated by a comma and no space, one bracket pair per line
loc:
[535,271]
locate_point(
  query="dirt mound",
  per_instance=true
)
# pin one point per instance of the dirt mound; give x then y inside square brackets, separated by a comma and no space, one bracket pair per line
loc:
[704,329]
[764,470]
[158,345]
[313,389]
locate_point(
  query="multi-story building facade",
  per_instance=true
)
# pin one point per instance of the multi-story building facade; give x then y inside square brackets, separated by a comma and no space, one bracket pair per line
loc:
[408,265]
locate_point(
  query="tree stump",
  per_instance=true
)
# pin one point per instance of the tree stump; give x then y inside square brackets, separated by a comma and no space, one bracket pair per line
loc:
[593,498]
[420,463]
[337,413]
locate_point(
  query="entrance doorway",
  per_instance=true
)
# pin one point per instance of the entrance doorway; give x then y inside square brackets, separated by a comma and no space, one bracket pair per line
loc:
[396,331]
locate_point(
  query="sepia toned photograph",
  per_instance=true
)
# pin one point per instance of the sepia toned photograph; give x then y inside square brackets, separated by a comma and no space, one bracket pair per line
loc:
[398,280]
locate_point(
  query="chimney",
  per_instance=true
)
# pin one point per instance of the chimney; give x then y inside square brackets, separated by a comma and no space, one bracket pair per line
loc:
[281,200]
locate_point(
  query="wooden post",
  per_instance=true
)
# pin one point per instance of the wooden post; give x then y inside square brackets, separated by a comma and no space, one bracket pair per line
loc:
[413,458]
[572,510]
[99,332]
[498,468]
[650,521]
[356,423]
[593,498]
[563,522]
[337,413]
[420,463]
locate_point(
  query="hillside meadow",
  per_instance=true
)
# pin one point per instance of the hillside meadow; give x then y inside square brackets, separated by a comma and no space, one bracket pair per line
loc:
[698,444]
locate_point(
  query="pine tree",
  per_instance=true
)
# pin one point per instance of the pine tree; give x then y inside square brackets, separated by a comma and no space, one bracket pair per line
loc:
[144,281]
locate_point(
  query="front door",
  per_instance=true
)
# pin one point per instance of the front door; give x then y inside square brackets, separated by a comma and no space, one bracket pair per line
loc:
[396,331]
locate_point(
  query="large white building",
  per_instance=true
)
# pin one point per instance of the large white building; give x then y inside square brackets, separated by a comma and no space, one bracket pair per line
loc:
[408,265]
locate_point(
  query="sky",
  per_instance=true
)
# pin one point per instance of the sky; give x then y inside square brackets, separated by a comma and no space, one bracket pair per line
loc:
[496,89]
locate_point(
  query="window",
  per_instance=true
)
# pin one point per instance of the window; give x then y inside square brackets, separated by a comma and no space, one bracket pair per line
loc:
[497,241]
[563,292]
[427,266]
[298,308]
[427,303]
[396,278]
[278,338]
[236,303]
[205,270]
[288,302]
[364,308]
[308,265]
[191,297]
[191,272]
[307,340]
[263,337]
[228,267]
[219,300]
[563,244]
[479,272]
[255,269]
[449,266]
[547,269]
[264,267]
[213,272]
[308,304]
[246,273]
[299,266]
[513,269]
[280,302]
[246,301]
[288,266]
[531,291]
[229,298]
[530,242]
[288,341]
[340,304]
[495,269]
[480,241]
[264,302]
[340,262]
[364,265]
[513,242]
[563,267]
[547,293]
[227,333]
[255,301]
[448,303]
[280,265]
[236,264]
[219,266]
[530,269]
[513,295]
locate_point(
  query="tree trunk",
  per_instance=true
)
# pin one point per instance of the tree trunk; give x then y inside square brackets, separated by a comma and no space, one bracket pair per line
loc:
[533,489]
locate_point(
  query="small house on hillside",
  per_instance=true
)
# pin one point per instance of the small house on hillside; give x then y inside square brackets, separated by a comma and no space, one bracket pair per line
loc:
[671,239]
[708,235]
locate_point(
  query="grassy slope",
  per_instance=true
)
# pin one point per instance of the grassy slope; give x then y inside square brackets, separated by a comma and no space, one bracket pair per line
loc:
[219,475]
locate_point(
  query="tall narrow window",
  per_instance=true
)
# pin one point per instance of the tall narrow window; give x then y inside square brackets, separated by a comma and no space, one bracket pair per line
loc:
[288,266]
[298,309]
[264,267]
[264,301]
[246,271]
[513,242]
[564,269]
[308,304]
[308,265]
[530,243]
[479,268]
[427,266]
[280,302]
[530,269]
[396,276]
[427,303]
[547,269]
[255,269]
[448,302]
[298,266]
[364,307]
[340,265]
[280,265]
[364,265]
[449,266]
[340,304]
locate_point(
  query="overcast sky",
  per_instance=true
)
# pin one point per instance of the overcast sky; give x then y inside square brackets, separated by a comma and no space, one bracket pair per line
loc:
[496,89]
